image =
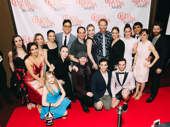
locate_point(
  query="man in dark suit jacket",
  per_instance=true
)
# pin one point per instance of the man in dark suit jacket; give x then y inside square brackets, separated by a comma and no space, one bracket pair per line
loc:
[65,37]
[162,46]
[3,83]
[137,27]
[82,82]
[100,86]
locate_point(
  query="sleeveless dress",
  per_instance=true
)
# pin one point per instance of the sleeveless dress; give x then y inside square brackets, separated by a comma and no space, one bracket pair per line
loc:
[129,44]
[141,73]
[58,111]
[34,95]
[20,70]
[52,54]
[93,51]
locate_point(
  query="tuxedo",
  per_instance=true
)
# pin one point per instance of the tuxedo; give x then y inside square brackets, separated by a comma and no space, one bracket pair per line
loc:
[59,39]
[121,81]
[162,46]
[99,86]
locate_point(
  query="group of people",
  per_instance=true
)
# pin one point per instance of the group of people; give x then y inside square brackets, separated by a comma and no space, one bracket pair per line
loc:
[99,69]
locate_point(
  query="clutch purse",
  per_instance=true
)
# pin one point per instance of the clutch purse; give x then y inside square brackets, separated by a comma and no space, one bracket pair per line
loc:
[35,84]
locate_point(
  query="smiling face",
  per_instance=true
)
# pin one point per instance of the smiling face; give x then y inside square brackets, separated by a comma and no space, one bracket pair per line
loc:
[83,60]
[115,34]
[51,36]
[34,50]
[137,29]
[103,66]
[156,30]
[127,32]
[102,26]
[18,42]
[64,52]
[51,79]
[91,31]
[67,28]
[39,40]
[144,36]
[81,33]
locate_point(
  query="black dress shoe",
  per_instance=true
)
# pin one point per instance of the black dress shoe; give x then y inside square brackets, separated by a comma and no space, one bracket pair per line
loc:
[147,91]
[85,108]
[125,107]
[69,106]
[9,101]
[0,105]
[150,99]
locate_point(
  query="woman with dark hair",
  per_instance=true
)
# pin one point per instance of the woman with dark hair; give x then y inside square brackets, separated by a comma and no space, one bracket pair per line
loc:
[130,46]
[91,46]
[116,50]
[16,61]
[34,76]
[50,49]
[140,65]
[61,67]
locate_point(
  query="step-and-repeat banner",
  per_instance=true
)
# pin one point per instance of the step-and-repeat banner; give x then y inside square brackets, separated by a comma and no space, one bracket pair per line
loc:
[39,16]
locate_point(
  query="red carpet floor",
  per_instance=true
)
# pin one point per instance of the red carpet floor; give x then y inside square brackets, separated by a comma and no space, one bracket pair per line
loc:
[139,114]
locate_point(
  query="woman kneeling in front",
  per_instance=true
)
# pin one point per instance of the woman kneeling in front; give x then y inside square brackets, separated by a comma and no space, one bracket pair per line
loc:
[51,91]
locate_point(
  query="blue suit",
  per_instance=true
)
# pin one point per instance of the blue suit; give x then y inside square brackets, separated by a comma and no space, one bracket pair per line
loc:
[98,85]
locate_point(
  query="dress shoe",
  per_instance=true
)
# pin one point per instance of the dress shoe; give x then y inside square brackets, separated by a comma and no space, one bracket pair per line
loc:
[9,101]
[0,105]
[150,99]
[85,108]
[125,107]
[138,97]
[69,106]
[147,91]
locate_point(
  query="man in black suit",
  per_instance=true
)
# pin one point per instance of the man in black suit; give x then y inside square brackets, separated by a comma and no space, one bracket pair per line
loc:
[3,84]
[100,86]
[162,46]
[137,27]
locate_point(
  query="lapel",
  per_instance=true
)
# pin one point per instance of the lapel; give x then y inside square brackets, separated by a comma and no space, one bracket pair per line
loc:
[103,77]
[125,77]
[69,41]
[157,43]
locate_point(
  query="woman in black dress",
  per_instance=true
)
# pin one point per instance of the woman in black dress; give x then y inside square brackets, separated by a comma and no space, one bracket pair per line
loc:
[50,49]
[61,67]
[116,51]
[16,62]
[91,46]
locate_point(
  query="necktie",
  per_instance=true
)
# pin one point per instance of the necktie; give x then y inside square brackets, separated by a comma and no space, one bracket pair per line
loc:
[104,50]
[65,40]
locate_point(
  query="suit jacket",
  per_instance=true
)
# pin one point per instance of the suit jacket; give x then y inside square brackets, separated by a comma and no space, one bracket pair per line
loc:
[128,82]
[59,39]
[98,85]
[162,46]
[78,79]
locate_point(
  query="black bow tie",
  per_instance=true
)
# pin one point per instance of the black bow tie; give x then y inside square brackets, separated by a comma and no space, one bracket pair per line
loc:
[137,37]
[121,72]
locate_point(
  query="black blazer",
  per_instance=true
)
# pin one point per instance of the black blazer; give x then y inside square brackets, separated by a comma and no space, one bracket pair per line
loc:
[98,85]
[162,46]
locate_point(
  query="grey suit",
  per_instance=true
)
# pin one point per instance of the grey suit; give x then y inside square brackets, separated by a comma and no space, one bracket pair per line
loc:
[59,38]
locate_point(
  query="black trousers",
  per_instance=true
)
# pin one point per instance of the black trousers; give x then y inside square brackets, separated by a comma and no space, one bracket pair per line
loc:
[88,101]
[4,90]
[155,79]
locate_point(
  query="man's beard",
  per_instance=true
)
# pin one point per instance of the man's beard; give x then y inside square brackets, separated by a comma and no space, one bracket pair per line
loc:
[156,34]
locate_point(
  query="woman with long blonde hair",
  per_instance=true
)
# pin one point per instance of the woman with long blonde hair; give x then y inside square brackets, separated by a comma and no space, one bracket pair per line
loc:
[51,91]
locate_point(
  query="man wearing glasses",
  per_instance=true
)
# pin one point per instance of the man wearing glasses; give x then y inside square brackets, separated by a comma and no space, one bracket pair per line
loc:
[79,45]
[65,37]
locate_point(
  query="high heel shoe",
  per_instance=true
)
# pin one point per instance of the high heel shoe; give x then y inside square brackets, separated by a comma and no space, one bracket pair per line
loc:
[136,93]
[138,97]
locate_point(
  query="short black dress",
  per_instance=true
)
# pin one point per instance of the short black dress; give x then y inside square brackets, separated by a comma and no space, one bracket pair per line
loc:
[52,54]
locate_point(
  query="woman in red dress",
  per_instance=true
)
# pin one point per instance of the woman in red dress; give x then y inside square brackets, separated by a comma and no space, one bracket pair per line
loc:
[34,75]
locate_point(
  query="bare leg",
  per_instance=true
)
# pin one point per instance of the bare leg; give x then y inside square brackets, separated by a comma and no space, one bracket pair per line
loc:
[65,114]
[137,89]
[39,108]
[140,92]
